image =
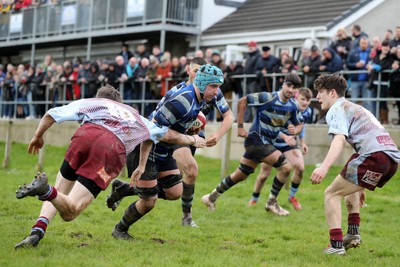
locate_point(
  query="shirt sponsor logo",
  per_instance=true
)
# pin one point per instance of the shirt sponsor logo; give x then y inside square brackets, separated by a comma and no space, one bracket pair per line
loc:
[372,178]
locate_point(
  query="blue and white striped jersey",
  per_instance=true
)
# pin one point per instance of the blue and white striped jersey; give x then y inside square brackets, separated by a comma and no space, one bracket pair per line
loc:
[178,110]
[279,143]
[272,115]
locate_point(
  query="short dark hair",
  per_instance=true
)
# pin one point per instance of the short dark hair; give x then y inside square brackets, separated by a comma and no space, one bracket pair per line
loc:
[109,92]
[199,61]
[331,82]
[294,79]
[357,27]
[306,92]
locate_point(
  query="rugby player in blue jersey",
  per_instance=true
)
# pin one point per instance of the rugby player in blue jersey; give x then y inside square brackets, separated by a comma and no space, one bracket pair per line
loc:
[183,154]
[162,179]
[274,111]
[293,153]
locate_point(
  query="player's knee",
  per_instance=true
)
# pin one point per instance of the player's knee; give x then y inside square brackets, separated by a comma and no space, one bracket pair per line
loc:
[246,170]
[148,192]
[68,216]
[191,172]
[174,192]
[281,162]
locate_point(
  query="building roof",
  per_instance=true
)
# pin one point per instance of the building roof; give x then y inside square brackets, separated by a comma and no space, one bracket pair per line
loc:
[264,15]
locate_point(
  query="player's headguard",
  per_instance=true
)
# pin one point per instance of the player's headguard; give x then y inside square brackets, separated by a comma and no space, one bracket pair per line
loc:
[206,75]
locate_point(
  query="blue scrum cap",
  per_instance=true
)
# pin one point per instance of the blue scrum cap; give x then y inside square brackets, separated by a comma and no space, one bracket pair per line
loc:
[206,75]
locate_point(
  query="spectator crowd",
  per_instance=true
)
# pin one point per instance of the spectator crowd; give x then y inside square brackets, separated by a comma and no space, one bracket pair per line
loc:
[371,65]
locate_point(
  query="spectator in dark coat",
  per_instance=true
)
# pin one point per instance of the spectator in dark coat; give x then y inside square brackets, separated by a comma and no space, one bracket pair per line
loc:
[125,53]
[311,66]
[330,61]
[342,44]
[266,64]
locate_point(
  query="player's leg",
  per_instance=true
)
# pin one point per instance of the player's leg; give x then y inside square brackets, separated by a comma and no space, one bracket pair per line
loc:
[46,214]
[295,157]
[188,166]
[334,194]
[147,191]
[352,239]
[259,183]
[246,167]
[278,161]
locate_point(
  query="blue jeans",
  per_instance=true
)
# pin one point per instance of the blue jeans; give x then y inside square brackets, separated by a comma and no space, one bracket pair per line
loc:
[360,89]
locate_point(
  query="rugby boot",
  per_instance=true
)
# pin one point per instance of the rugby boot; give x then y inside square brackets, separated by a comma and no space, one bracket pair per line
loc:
[121,235]
[187,220]
[119,190]
[351,241]
[39,186]
[273,206]
[30,241]
[331,250]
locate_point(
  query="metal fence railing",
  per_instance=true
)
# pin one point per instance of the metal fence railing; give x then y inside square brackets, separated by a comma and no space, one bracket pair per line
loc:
[141,98]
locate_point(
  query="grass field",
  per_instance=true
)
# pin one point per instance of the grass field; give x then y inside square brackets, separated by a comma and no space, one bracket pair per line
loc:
[234,235]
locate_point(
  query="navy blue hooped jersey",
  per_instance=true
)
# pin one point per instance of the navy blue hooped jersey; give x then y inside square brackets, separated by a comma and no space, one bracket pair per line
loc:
[273,115]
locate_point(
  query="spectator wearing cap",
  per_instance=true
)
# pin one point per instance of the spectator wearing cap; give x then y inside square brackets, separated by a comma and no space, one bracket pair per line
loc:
[164,72]
[341,43]
[250,67]
[311,66]
[330,61]
[266,64]
[357,60]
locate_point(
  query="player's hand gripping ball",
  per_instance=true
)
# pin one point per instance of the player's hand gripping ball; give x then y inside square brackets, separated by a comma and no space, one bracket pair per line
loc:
[198,124]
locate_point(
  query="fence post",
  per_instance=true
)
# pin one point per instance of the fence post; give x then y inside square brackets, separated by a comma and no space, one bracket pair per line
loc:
[226,153]
[7,149]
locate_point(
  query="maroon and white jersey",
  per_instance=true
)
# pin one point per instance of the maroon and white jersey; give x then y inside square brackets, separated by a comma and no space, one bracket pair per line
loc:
[362,130]
[122,120]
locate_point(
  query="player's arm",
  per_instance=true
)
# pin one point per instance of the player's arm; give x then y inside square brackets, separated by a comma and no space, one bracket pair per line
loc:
[175,138]
[241,109]
[227,120]
[37,141]
[336,148]
[145,148]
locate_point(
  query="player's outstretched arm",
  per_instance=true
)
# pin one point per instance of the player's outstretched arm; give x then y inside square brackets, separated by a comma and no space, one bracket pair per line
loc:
[334,152]
[174,137]
[37,141]
[227,120]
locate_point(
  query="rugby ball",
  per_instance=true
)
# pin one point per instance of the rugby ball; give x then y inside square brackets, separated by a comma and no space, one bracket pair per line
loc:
[199,123]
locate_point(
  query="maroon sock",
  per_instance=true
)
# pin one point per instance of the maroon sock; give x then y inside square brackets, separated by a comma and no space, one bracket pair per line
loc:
[353,223]
[336,237]
[40,226]
[50,195]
